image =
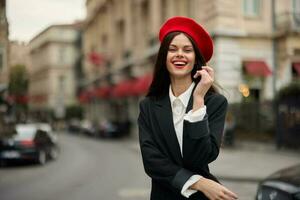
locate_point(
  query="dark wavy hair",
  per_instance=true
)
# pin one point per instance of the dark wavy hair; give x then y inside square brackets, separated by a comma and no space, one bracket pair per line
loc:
[161,77]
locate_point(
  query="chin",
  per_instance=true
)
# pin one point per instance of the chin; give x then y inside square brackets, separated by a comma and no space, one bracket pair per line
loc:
[181,75]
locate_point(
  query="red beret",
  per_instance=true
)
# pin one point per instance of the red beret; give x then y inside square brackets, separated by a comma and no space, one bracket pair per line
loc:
[191,28]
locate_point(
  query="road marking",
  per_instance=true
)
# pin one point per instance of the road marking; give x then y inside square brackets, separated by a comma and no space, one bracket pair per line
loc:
[134,192]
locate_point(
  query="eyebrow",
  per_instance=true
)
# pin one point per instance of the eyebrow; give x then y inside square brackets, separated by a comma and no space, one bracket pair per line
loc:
[183,46]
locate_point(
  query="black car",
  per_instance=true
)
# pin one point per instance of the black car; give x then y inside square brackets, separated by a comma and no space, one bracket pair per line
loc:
[282,185]
[32,142]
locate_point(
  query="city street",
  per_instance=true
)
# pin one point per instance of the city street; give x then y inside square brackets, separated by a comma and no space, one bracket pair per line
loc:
[86,65]
[90,169]
[86,169]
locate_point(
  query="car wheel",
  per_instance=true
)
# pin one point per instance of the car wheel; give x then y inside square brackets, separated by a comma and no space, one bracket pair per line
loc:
[53,154]
[41,158]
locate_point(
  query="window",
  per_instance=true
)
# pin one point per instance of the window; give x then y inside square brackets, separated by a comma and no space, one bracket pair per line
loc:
[296,11]
[61,82]
[104,41]
[62,55]
[145,18]
[1,60]
[2,17]
[163,10]
[251,7]
[296,6]
[120,26]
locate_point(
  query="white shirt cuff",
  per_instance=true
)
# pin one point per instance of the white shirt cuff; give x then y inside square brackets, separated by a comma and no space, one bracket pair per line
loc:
[185,191]
[195,116]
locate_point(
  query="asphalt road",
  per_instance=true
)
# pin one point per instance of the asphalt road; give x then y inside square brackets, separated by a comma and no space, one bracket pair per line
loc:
[87,169]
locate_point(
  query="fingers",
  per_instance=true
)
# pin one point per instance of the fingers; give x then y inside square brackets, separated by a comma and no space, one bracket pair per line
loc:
[216,191]
[198,73]
[227,194]
[230,194]
[204,74]
[223,196]
[209,70]
[206,70]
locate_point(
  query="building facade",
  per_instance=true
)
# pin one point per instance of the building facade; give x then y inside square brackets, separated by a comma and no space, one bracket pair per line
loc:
[287,41]
[256,47]
[4,45]
[54,53]
[19,54]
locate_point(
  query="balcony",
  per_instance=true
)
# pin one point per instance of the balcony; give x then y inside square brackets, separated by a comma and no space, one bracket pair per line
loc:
[287,22]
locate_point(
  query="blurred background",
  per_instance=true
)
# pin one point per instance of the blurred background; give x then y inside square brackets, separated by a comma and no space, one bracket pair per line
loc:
[73,73]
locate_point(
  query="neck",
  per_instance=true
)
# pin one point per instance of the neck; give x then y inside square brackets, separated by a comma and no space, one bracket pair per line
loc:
[179,86]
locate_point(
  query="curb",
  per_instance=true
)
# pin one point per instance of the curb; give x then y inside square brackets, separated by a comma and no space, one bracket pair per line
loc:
[239,179]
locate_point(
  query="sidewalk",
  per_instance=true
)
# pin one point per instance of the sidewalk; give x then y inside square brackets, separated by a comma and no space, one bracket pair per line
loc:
[252,161]
[248,161]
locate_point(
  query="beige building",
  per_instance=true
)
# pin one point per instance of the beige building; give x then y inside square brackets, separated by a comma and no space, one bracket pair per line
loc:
[287,38]
[19,54]
[54,54]
[4,44]
[256,46]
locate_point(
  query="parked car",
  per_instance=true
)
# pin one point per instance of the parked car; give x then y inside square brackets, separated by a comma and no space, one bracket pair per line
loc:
[282,185]
[114,129]
[73,126]
[32,142]
[88,128]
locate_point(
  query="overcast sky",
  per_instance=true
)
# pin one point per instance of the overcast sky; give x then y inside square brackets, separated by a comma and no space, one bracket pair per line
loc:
[27,18]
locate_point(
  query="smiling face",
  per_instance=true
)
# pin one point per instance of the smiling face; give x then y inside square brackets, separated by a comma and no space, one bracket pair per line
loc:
[180,57]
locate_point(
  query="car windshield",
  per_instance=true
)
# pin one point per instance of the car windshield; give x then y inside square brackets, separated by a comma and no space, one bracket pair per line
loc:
[25,132]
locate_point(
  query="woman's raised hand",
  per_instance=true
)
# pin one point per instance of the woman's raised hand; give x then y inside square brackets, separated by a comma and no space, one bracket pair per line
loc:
[207,79]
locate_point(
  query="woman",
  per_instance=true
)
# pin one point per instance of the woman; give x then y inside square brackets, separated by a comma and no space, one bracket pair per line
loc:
[182,118]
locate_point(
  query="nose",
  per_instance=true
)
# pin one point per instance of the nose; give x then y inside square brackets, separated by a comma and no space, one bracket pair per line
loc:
[179,53]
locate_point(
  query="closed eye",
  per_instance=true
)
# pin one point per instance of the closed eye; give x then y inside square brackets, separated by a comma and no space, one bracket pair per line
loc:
[172,49]
[188,50]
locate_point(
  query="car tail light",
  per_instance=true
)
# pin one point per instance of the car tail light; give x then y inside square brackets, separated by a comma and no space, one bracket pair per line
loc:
[27,143]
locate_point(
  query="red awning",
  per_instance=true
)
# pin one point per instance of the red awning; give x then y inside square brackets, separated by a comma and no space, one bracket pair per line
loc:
[123,89]
[20,99]
[96,58]
[85,96]
[103,92]
[257,68]
[38,98]
[142,84]
[296,66]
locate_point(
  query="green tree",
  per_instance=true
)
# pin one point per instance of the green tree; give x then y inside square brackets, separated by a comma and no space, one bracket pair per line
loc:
[18,90]
[18,80]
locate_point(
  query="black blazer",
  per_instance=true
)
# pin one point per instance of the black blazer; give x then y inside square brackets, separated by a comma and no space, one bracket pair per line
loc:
[160,148]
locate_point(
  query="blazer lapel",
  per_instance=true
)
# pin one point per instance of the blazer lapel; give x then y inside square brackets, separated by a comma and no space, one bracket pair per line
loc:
[190,104]
[163,113]
[188,108]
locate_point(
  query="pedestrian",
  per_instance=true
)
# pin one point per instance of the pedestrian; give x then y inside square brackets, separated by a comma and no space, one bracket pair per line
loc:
[181,119]
[229,130]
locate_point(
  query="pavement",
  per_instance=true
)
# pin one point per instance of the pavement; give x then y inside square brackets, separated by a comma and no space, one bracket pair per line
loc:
[252,161]
[248,161]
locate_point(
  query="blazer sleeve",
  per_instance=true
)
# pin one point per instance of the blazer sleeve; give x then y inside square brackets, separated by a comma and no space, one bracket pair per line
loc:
[203,138]
[158,165]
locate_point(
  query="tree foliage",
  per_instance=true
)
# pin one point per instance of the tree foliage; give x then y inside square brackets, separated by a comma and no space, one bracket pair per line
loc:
[18,80]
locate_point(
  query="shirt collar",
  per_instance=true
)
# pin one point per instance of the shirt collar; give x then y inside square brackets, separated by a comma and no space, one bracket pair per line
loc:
[184,97]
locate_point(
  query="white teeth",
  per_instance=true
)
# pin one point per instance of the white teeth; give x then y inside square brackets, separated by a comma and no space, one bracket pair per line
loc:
[179,63]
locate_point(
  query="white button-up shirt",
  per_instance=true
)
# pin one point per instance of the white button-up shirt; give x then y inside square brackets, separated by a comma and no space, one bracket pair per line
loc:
[179,105]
